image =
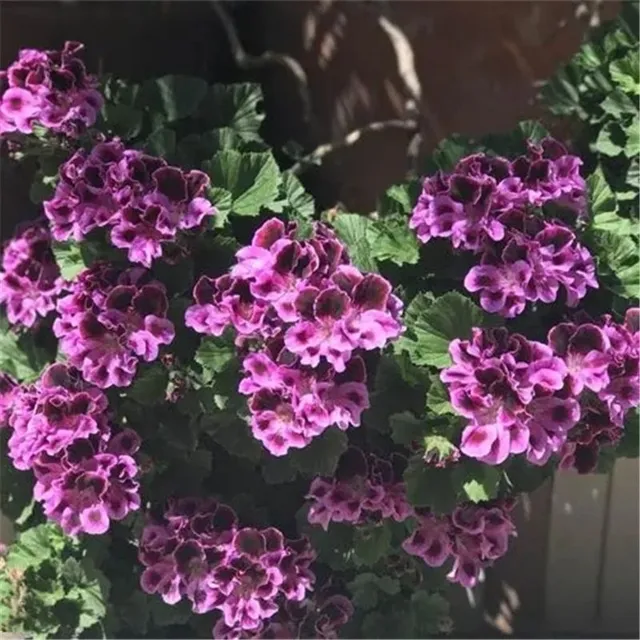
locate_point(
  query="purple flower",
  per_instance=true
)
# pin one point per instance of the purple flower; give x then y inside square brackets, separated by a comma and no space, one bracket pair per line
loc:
[51,88]
[248,575]
[363,489]
[110,320]
[60,430]
[474,535]
[508,389]
[30,279]
[484,206]
[144,202]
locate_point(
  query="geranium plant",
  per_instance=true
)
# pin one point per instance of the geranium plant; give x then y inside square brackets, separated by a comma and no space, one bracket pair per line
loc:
[225,413]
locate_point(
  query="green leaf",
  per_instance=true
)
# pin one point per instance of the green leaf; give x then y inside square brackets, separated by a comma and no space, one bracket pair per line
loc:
[320,457]
[479,482]
[174,97]
[430,614]
[251,178]
[164,615]
[394,390]
[353,230]
[632,148]
[365,588]
[604,208]
[391,239]
[618,257]
[161,142]
[633,174]
[298,203]
[277,470]
[438,446]
[431,326]
[438,398]
[19,355]
[123,120]
[532,130]
[406,428]
[223,201]
[32,548]
[431,487]
[236,106]
[625,73]
[618,104]
[69,257]
[135,612]
[449,151]
[371,543]
[399,198]
[213,355]
[150,385]
[610,141]
[42,187]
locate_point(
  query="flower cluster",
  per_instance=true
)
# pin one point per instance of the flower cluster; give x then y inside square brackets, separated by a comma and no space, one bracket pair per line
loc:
[486,205]
[473,535]
[292,404]
[51,88]
[30,279]
[110,320]
[85,475]
[198,551]
[312,310]
[511,390]
[320,616]
[362,490]
[603,371]
[525,397]
[144,202]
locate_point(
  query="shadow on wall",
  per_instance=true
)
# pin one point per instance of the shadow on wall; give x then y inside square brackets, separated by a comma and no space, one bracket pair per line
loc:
[475,64]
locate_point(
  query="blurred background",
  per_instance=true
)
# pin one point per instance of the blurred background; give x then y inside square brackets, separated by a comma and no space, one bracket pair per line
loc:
[471,67]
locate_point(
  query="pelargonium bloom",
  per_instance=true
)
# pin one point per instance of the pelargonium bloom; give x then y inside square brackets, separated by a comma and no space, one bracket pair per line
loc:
[144,202]
[602,360]
[306,289]
[364,489]
[51,88]
[474,535]
[85,474]
[319,616]
[292,404]
[485,206]
[30,280]
[111,320]
[510,390]
[198,551]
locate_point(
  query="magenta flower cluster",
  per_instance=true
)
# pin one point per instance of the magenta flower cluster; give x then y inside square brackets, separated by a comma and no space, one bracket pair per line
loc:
[525,397]
[144,202]
[85,474]
[30,280]
[198,551]
[312,311]
[51,88]
[363,489]
[111,320]
[511,391]
[473,535]
[320,616]
[606,380]
[291,404]
[487,205]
